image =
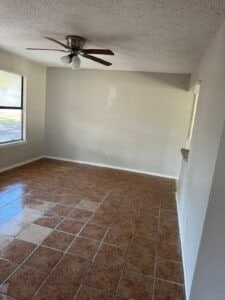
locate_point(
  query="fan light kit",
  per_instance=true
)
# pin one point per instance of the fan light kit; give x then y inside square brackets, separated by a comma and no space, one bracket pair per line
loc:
[74,49]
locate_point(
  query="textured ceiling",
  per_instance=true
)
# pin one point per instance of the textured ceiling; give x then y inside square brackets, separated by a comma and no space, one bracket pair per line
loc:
[146,35]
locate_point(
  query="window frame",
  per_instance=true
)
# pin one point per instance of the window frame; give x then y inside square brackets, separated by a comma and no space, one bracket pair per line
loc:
[22,140]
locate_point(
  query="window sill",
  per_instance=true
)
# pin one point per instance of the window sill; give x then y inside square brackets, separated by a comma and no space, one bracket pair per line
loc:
[11,144]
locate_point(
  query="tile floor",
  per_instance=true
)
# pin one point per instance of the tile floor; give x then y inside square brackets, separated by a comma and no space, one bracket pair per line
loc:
[70,231]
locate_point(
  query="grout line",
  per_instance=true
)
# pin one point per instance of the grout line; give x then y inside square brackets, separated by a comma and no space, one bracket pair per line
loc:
[38,245]
[154,275]
[53,269]
[64,253]
[93,258]
[170,281]
[91,262]
[80,285]
[98,247]
[19,265]
[126,255]
[100,244]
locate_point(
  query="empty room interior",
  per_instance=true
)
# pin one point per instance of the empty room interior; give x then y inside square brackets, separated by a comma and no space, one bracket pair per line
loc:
[112,150]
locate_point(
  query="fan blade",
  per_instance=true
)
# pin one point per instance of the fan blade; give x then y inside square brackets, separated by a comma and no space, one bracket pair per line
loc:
[57,42]
[46,49]
[97,51]
[99,60]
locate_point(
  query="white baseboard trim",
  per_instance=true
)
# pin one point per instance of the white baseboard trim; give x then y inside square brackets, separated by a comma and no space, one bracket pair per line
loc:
[20,164]
[110,167]
[182,249]
[86,163]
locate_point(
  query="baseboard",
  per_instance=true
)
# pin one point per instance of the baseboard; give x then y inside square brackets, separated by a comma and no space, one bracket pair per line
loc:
[111,167]
[20,163]
[182,249]
[86,163]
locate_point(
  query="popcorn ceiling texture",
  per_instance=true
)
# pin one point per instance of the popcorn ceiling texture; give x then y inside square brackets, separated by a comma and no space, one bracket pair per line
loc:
[146,35]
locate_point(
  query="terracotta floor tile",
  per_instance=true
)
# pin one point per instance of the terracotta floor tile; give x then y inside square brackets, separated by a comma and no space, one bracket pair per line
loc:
[153,201]
[150,232]
[27,215]
[101,219]
[57,288]
[124,224]
[34,234]
[17,251]
[169,270]
[43,259]
[70,201]
[169,203]
[80,214]
[168,291]
[5,297]
[6,267]
[141,243]
[35,203]
[23,283]
[103,276]
[150,209]
[94,197]
[131,214]
[10,196]
[170,223]
[135,286]
[93,232]
[4,241]
[110,255]
[146,219]
[12,227]
[84,247]
[168,214]
[60,210]
[48,220]
[118,237]
[43,195]
[107,209]
[70,226]
[90,293]
[169,232]
[141,262]
[170,251]
[72,267]
[58,240]
[87,205]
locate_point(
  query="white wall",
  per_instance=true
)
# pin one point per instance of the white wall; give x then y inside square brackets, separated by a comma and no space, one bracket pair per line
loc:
[197,175]
[35,75]
[209,277]
[133,120]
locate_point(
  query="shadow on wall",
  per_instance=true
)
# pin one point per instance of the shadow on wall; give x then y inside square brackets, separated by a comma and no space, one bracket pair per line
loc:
[176,81]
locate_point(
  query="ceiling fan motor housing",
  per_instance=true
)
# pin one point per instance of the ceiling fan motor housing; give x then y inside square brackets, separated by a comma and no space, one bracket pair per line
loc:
[75,42]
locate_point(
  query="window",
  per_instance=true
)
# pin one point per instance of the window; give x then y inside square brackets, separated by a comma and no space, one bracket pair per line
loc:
[11,107]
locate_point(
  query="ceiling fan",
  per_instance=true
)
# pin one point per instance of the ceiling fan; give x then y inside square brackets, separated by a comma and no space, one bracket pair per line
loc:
[74,48]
